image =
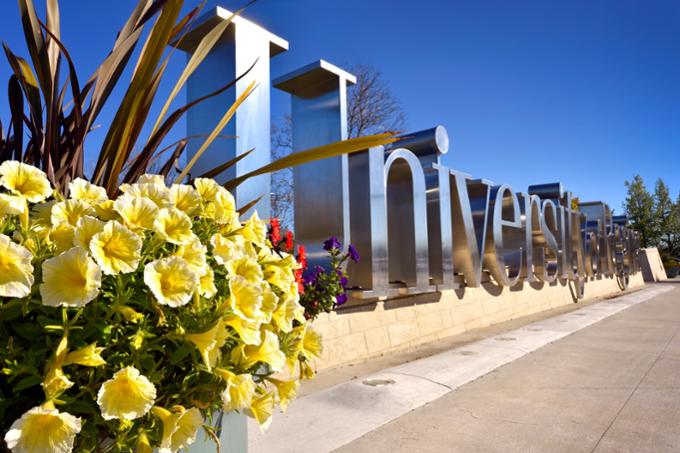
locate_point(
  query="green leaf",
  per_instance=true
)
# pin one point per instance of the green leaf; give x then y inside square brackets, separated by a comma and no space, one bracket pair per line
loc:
[28,382]
[180,353]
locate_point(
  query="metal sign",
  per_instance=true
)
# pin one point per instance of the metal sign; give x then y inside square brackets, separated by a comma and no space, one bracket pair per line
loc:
[419,226]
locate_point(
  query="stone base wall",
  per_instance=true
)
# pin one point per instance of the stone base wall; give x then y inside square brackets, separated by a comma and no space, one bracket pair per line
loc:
[652,266]
[359,332]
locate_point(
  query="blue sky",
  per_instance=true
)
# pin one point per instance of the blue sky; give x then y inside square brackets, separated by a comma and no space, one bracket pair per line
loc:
[584,92]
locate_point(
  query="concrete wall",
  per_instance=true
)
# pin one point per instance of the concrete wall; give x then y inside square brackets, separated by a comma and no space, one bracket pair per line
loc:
[652,266]
[357,333]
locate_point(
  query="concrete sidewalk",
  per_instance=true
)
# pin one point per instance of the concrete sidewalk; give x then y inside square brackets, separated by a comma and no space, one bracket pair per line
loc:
[611,387]
[601,377]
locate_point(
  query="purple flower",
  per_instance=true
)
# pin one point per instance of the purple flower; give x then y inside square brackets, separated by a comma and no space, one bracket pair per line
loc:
[341,299]
[353,254]
[331,243]
[343,281]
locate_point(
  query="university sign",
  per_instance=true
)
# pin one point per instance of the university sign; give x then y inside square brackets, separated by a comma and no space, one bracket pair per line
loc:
[419,226]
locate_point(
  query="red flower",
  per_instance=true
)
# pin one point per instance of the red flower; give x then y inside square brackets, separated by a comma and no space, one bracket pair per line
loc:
[302,256]
[289,241]
[274,231]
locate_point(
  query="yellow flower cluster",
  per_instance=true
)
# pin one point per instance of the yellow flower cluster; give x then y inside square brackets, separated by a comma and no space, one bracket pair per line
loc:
[180,307]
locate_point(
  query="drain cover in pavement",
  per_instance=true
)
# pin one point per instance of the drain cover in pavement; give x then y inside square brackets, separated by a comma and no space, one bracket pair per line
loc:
[467,352]
[534,329]
[378,382]
[505,339]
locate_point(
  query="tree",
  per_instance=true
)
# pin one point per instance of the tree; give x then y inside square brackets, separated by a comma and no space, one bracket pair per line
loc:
[371,108]
[639,206]
[673,237]
[664,210]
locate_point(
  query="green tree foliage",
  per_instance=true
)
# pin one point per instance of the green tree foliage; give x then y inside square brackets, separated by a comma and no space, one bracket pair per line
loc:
[655,216]
[639,206]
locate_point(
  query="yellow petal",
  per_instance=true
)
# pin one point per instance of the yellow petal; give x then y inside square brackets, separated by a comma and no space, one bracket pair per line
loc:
[239,391]
[16,270]
[71,279]
[86,228]
[179,428]
[116,249]
[262,409]
[171,280]
[255,230]
[209,342]
[128,395]
[25,181]
[185,198]
[174,226]
[80,189]
[90,355]
[43,430]
[136,212]
[267,352]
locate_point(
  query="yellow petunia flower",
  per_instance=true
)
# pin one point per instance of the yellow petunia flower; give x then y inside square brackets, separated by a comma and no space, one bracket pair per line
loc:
[245,267]
[267,352]
[286,390]
[206,188]
[218,202]
[90,355]
[41,213]
[69,212]
[185,198]
[71,279]
[310,346]
[62,237]
[85,230]
[25,181]
[226,249]
[105,211]
[194,253]
[224,207]
[158,193]
[136,212]
[56,382]
[255,230]
[286,312]
[245,299]
[128,395]
[239,392]
[80,189]
[16,270]
[43,429]
[210,342]
[116,249]
[143,444]
[180,427]
[174,226]
[261,409]
[11,205]
[206,284]
[171,280]
[248,331]
[269,301]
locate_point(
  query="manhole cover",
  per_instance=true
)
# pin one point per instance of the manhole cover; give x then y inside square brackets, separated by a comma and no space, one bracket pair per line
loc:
[378,382]
[562,320]
[580,314]
[506,339]
[467,353]
[534,329]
